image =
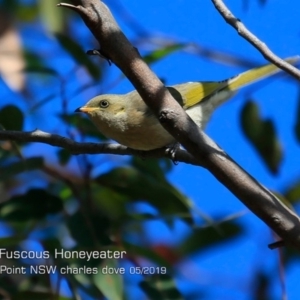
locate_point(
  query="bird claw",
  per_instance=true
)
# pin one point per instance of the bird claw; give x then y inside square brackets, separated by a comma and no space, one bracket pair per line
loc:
[171,152]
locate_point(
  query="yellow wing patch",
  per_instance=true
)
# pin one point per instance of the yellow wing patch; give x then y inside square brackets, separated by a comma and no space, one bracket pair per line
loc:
[194,92]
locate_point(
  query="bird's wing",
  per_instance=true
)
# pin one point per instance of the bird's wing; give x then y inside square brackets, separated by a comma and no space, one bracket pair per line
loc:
[192,93]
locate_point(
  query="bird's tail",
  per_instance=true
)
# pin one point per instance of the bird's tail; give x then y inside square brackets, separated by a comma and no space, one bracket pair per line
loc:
[227,88]
[255,74]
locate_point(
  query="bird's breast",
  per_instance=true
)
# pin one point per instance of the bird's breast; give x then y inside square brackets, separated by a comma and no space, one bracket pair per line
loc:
[138,132]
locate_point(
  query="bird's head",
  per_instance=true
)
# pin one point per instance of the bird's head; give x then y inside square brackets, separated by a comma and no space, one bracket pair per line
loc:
[104,106]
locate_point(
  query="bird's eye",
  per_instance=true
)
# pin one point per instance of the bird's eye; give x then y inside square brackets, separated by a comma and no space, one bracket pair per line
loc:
[104,103]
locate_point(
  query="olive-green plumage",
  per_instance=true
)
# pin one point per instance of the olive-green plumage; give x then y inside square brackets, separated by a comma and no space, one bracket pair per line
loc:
[127,119]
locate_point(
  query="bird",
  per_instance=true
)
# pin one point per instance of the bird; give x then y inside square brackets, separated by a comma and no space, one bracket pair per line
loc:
[126,119]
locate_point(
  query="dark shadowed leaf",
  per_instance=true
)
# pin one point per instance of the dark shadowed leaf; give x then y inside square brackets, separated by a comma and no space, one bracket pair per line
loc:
[155,167]
[9,5]
[7,242]
[262,135]
[110,202]
[36,295]
[261,288]
[140,186]
[76,51]
[63,156]
[291,255]
[202,238]
[11,118]
[34,204]
[35,64]
[161,287]
[50,244]
[13,169]
[89,229]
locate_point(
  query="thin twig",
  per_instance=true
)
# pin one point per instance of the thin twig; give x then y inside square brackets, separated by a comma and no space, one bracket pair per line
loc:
[254,40]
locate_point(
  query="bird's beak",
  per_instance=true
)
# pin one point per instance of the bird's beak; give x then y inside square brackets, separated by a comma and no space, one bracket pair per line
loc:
[85,109]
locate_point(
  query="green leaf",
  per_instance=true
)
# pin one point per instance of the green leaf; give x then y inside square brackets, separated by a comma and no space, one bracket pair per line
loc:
[9,5]
[159,54]
[161,287]
[262,135]
[13,169]
[35,295]
[51,244]
[11,118]
[53,18]
[110,202]
[12,241]
[20,11]
[111,285]
[34,64]
[63,156]
[292,194]
[155,167]
[139,186]
[84,227]
[202,238]
[75,50]
[34,204]
[26,13]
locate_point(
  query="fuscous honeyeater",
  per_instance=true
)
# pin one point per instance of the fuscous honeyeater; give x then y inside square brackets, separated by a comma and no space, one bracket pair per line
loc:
[127,119]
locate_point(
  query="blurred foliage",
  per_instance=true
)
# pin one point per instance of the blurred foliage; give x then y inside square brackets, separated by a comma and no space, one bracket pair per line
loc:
[248,2]
[261,287]
[159,54]
[47,201]
[11,118]
[78,54]
[262,135]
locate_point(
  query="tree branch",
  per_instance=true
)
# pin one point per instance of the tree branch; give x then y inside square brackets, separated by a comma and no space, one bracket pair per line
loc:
[116,47]
[253,40]
[76,148]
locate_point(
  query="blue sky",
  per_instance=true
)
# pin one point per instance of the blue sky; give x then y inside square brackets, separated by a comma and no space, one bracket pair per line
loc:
[189,21]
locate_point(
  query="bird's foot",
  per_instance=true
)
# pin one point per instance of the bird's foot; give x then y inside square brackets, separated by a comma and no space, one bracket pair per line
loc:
[171,152]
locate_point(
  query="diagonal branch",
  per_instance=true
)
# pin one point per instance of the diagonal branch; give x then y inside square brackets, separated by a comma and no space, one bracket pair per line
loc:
[116,47]
[253,40]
